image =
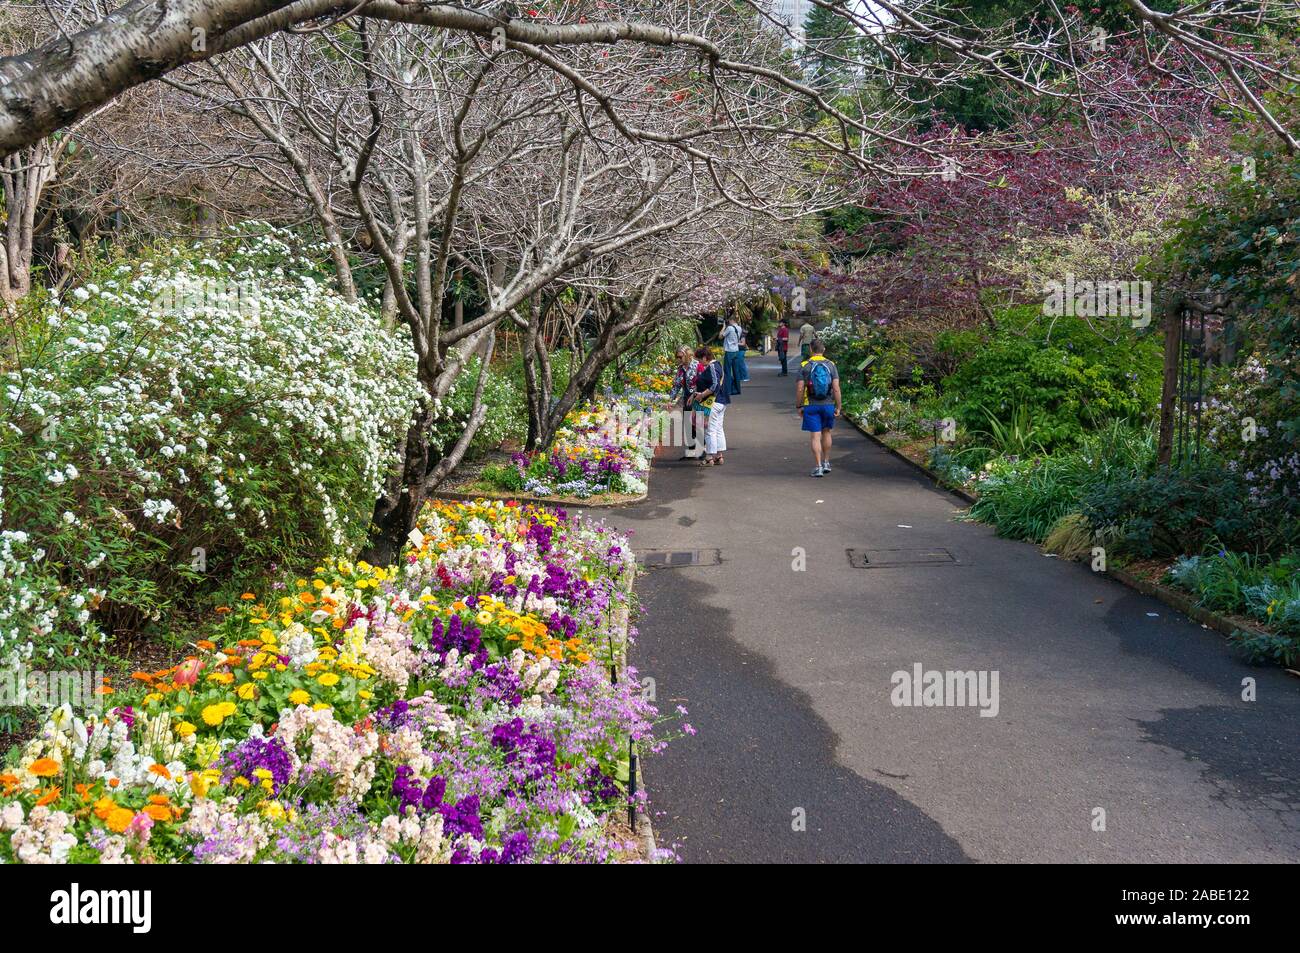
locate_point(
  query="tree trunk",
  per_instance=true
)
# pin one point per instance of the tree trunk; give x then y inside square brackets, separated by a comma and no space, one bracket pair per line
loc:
[1169,385]
[397,510]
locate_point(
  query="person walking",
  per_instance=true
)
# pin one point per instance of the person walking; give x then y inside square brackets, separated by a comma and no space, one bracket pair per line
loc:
[742,366]
[712,397]
[807,334]
[731,356]
[817,399]
[783,346]
[683,389]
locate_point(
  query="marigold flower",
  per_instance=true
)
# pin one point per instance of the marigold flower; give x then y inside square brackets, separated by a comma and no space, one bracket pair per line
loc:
[328,679]
[161,771]
[45,768]
[299,697]
[216,714]
[158,812]
[245,691]
[52,795]
[119,819]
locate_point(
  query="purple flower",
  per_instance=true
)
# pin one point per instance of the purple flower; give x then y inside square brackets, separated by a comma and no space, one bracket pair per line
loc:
[268,754]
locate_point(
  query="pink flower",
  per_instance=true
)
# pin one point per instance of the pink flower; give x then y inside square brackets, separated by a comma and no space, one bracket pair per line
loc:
[187,673]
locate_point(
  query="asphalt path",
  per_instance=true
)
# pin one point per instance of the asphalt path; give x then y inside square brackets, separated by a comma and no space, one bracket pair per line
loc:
[1120,734]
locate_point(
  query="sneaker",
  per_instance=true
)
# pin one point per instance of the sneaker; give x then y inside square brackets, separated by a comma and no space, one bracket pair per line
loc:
[817,471]
[826,468]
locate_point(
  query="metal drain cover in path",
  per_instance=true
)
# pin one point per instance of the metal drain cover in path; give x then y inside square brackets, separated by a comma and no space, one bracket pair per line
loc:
[674,559]
[885,558]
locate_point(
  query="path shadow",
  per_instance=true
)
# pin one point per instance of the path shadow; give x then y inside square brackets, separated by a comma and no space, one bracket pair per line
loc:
[731,792]
[1250,758]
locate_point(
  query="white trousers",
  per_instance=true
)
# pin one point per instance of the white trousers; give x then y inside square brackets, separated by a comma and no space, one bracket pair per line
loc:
[715,438]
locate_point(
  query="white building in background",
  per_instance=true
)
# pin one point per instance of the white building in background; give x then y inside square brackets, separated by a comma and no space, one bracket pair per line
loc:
[793,13]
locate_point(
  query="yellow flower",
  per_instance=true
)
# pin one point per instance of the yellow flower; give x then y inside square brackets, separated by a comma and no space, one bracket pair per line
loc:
[299,697]
[185,729]
[215,714]
[365,695]
[259,675]
[328,679]
[222,678]
[320,706]
[153,697]
[272,810]
[245,691]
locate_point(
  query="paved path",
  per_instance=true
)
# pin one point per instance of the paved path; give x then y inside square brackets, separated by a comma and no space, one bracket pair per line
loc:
[1107,699]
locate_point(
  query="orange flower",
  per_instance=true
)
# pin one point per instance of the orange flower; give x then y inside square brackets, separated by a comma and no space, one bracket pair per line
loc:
[84,791]
[160,770]
[222,610]
[119,819]
[104,807]
[45,799]
[10,781]
[205,644]
[44,768]
[158,812]
[114,782]
[143,677]
[157,799]
[248,597]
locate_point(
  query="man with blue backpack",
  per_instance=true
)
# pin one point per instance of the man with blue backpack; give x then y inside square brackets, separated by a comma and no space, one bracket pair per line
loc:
[817,398]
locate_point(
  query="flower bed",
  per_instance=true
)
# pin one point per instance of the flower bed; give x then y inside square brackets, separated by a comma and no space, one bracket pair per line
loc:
[600,452]
[455,707]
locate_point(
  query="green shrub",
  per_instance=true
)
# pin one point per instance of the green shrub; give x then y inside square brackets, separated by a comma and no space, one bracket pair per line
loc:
[503,397]
[1261,647]
[1067,386]
[1173,511]
[1025,498]
[1219,579]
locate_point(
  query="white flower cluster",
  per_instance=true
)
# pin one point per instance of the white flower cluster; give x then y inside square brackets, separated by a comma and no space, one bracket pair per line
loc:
[206,407]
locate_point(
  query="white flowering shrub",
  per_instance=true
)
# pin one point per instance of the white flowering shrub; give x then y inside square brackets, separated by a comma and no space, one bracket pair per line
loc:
[503,396]
[180,423]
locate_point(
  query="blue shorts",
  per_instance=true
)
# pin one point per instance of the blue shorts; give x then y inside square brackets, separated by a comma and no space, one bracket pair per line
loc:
[819,417]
